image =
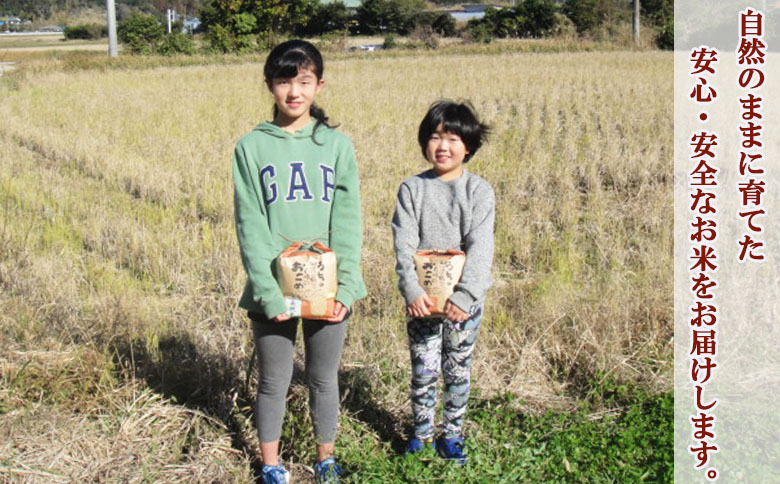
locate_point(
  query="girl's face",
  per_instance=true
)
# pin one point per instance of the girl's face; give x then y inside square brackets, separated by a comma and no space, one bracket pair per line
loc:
[446,152]
[294,96]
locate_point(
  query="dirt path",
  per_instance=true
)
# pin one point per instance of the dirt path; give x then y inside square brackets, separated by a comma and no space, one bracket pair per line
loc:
[56,47]
[7,67]
[17,54]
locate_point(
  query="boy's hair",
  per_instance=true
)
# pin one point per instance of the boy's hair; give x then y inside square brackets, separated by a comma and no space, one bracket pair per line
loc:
[455,118]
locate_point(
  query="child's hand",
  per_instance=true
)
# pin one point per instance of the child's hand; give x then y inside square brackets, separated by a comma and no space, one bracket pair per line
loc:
[280,317]
[339,312]
[454,313]
[420,307]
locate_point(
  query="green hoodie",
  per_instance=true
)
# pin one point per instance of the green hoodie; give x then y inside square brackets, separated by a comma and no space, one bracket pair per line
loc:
[286,185]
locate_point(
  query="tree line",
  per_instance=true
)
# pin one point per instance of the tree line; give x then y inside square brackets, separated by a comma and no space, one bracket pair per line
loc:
[250,25]
[238,25]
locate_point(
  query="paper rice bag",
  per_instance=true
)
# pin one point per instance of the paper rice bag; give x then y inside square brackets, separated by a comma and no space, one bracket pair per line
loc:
[308,280]
[438,271]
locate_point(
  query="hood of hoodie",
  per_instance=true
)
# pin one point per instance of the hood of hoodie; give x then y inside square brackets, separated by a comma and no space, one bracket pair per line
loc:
[269,128]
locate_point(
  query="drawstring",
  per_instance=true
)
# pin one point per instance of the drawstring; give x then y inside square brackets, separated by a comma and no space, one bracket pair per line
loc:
[307,243]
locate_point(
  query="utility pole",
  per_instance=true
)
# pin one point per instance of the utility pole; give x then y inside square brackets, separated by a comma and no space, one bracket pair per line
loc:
[111,14]
[636,22]
[170,14]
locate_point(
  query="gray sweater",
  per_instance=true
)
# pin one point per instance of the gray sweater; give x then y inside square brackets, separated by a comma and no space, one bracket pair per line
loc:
[433,214]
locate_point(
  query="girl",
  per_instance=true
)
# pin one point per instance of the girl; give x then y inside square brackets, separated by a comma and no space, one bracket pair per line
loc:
[296,179]
[445,207]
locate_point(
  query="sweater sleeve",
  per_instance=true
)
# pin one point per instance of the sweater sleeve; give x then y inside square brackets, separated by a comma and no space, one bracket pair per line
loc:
[406,238]
[476,278]
[254,236]
[346,236]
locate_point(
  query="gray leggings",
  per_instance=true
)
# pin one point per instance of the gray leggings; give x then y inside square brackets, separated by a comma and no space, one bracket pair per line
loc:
[275,343]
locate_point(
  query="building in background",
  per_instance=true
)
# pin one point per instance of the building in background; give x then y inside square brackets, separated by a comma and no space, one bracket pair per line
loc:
[190,25]
[471,11]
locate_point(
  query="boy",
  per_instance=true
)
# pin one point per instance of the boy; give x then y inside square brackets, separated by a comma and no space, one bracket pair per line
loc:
[445,207]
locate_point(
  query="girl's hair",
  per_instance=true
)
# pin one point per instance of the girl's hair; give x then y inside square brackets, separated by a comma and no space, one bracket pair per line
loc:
[285,60]
[455,118]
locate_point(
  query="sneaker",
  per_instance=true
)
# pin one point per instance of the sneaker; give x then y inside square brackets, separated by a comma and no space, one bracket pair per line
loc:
[327,471]
[416,445]
[275,475]
[452,449]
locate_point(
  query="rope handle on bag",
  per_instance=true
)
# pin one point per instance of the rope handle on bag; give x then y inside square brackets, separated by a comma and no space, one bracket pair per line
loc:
[306,243]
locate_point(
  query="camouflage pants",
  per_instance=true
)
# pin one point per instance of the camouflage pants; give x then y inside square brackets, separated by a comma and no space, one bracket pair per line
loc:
[439,346]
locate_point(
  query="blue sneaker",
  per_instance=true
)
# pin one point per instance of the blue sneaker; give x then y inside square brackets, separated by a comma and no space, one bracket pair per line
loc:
[327,471]
[416,445]
[275,475]
[452,449]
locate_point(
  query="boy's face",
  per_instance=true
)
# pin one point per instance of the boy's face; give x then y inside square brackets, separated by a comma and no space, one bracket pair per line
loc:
[446,152]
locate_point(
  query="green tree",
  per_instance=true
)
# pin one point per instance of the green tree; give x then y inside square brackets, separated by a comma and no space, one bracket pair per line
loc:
[176,43]
[582,13]
[86,31]
[389,16]
[590,14]
[480,31]
[665,39]
[657,12]
[233,25]
[444,25]
[141,33]
[660,14]
[539,16]
[505,22]
[330,17]
[145,34]
[532,18]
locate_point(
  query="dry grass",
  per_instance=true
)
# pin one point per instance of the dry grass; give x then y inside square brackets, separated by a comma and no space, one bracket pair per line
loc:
[43,40]
[103,433]
[116,233]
